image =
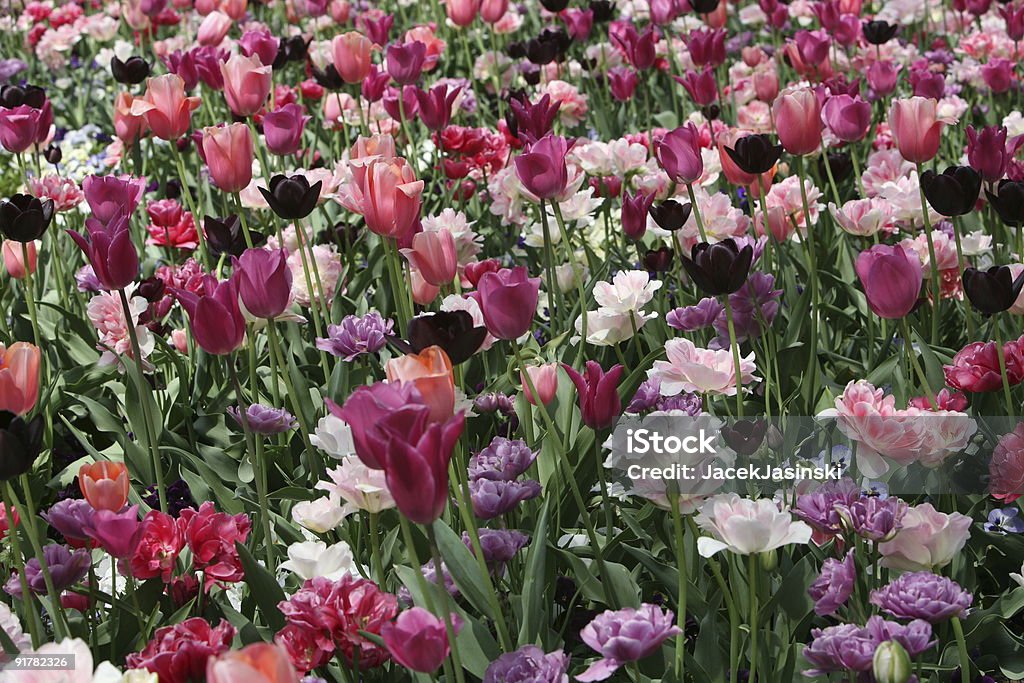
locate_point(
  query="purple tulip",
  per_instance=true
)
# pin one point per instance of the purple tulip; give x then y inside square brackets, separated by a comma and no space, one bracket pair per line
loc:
[542,169]
[529,664]
[987,152]
[366,406]
[891,279]
[498,546]
[265,419]
[883,77]
[706,46]
[19,127]
[697,317]
[492,498]
[375,85]
[874,518]
[435,105]
[110,197]
[678,153]
[70,517]
[508,301]
[701,87]
[356,336]
[377,30]
[634,214]
[264,281]
[66,569]
[821,508]
[183,65]
[116,532]
[502,460]
[624,636]
[216,320]
[926,83]
[923,595]
[110,250]
[849,118]
[418,640]
[622,82]
[405,62]
[208,60]
[834,585]
[846,647]
[600,405]
[534,121]
[409,107]
[260,42]
[915,637]
[283,128]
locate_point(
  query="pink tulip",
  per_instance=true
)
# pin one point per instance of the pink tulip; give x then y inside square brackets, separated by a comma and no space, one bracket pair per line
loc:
[214,29]
[798,121]
[167,111]
[14,258]
[433,254]
[283,128]
[622,82]
[883,77]
[423,293]
[847,117]
[19,377]
[247,84]
[998,74]
[261,43]
[462,12]
[492,11]
[127,126]
[19,127]
[351,52]
[891,279]
[418,640]
[916,127]
[545,381]
[389,196]
[679,154]
[229,155]
[255,663]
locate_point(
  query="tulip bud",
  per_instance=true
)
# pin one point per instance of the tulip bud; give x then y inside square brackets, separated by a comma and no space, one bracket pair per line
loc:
[769,560]
[891,663]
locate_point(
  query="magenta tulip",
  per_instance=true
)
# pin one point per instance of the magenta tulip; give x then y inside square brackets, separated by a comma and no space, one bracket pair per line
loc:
[264,281]
[19,128]
[700,86]
[622,82]
[849,118]
[283,128]
[405,62]
[678,153]
[217,323]
[366,406]
[508,301]
[110,251]
[542,169]
[598,390]
[435,106]
[987,152]
[634,214]
[798,121]
[891,279]
[418,640]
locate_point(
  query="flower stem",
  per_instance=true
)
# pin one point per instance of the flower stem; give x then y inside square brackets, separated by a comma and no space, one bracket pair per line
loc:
[961,646]
[932,262]
[696,212]
[677,523]
[735,356]
[908,345]
[1000,352]
[752,581]
[445,606]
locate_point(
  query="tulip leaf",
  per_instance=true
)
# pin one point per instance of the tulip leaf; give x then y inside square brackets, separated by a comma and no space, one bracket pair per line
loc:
[263,587]
[463,567]
[535,580]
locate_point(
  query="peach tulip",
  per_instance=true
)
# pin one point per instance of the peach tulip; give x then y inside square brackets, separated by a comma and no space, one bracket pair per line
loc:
[14,258]
[255,663]
[104,485]
[434,255]
[430,371]
[128,127]
[351,52]
[167,110]
[229,155]
[19,377]
[247,84]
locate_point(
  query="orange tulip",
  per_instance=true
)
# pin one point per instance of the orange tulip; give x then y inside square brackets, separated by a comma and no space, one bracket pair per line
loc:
[104,485]
[255,663]
[19,377]
[14,258]
[430,371]
[168,112]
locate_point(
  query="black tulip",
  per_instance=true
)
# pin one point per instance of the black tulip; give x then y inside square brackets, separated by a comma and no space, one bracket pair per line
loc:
[23,218]
[152,289]
[296,48]
[704,6]
[20,443]
[711,112]
[840,165]
[554,5]
[1009,202]
[719,268]
[603,11]
[880,32]
[658,260]
[132,71]
[53,154]
[281,58]
[328,78]
[292,198]
[994,290]
[516,50]
[745,436]
[530,74]
[754,154]
[540,52]
[172,188]
[953,192]
[453,331]
[224,235]
[670,215]
[12,96]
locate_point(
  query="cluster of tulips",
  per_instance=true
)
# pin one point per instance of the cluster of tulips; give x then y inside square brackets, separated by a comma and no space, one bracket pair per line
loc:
[321,322]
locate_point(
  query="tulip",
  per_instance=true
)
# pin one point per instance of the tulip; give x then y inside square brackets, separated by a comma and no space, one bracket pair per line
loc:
[229,156]
[679,154]
[282,129]
[390,196]
[533,121]
[879,32]
[20,443]
[883,77]
[622,83]
[401,103]
[1013,15]
[405,62]
[24,218]
[994,290]
[110,251]
[658,260]
[19,128]
[639,48]
[217,323]
[544,378]
[670,215]
[998,74]
[706,47]
[462,12]
[254,663]
[19,377]
[454,331]
[213,29]
[430,371]
[127,126]
[375,84]
[264,281]
[351,52]
[418,640]
[542,169]
[600,405]
[292,198]
[224,235]
[434,255]
[798,121]
[634,214]
[14,258]
[987,152]
[927,83]
[701,86]
[110,197]
[719,268]
[167,111]
[916,127]
[435,107]
[954,192]
[260,43]
[104,485]
[849,118]
[754,154]
[891,663]
[508,301]
[366,406]
[116,531]
[579,23]
[1008,201]
[492,11]
[131,71]
[891,279]
[247,84]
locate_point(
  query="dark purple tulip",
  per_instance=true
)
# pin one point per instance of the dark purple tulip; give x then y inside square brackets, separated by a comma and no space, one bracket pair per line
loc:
[598,391]
[534,121]
[436,106]
[405,62]
[987,152]
[639,48]
[700,86]
[264,281]
[622,82]
[66,569]
[217,323]
[719,268]
[110,250]
[634,214]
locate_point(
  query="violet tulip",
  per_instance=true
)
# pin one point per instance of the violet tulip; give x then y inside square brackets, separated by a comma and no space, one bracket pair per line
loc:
[622,82]
[217,323]
[508,301]
[436,105]
[634,214]
[19,128]
[987,152]
[542,169]
[701,87]
[915,125]
[229,156]
[282,129]
[679,154]
[599,397]
[798,121]
[405,62]
[891,279]
[264,281]
[849,118]
[116,532]
[110,251]
[418,640]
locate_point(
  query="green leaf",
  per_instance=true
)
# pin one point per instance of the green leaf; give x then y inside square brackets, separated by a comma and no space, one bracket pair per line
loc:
[535,581]
[263,587]
[463,567]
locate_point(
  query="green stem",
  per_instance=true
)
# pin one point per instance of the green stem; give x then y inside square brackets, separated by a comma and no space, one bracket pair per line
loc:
[932,262]
[445,606]
[696,213]
[293,399]
[1002,366]
[908,344]
[752,581]
[735,356]
[677,523]
[961,646]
